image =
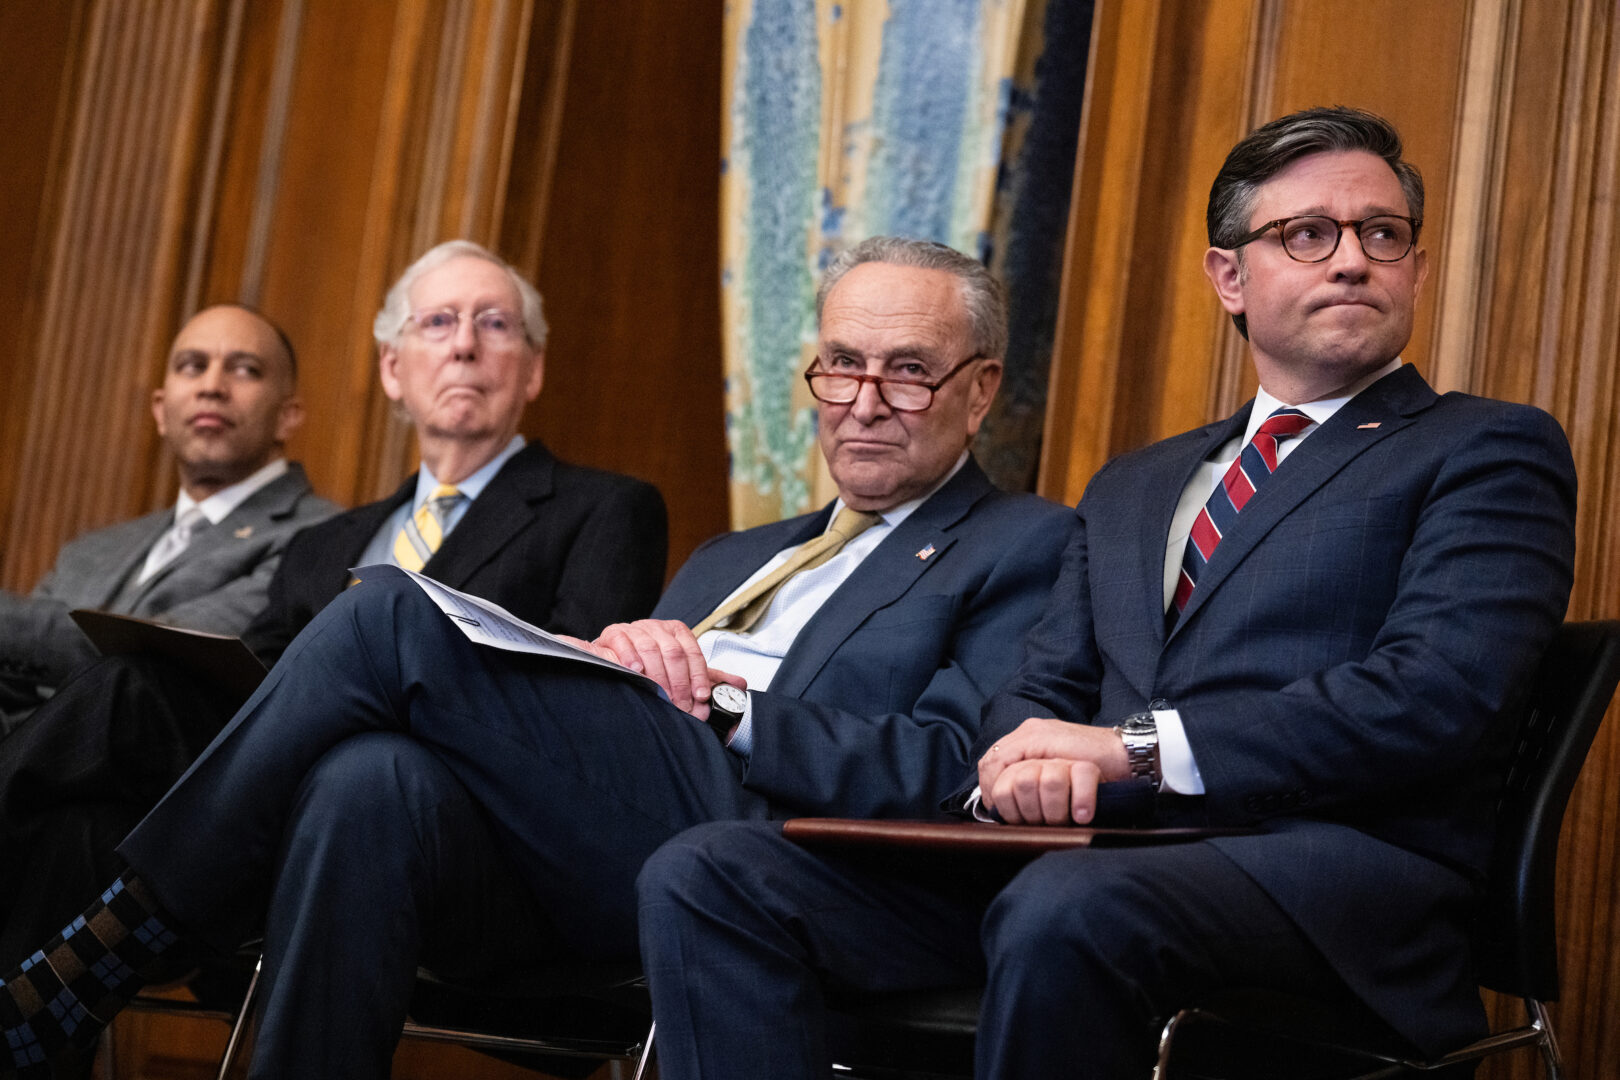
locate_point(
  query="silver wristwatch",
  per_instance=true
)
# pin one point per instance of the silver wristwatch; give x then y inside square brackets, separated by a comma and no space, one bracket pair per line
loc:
[726,707]
[1140,734]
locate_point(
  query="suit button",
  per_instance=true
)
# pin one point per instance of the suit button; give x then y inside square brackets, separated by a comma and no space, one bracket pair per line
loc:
[1268,803]
[1304,797]
[1289,800]
[1251,803]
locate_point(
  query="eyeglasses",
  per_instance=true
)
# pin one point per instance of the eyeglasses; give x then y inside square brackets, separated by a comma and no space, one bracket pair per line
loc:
[901,395]
[1386,238]
[496,326]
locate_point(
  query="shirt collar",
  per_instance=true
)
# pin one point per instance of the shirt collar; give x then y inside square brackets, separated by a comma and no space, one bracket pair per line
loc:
[473,485]
[218,505]
[1319,411]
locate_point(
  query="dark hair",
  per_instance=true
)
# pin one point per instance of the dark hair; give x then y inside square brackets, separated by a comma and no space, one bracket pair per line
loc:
[1269,149]
[983,298]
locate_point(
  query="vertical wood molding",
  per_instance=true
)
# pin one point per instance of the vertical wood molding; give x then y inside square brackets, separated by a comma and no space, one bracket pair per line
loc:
[1080,420]
[114,274]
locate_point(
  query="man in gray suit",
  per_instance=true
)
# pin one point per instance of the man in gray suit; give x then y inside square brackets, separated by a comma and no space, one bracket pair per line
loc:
[228,403]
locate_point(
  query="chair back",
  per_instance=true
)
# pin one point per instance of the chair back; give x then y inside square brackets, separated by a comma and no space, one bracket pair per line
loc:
[1515,940]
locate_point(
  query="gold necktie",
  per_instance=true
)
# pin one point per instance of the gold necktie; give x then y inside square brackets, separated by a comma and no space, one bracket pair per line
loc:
[424,531]
[741,612]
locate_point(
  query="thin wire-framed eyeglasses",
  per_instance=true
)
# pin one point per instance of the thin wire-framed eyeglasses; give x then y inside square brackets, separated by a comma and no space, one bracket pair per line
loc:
[496,326]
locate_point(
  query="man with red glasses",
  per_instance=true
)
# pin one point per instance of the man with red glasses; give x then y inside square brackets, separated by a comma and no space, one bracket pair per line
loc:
[1313,618]
[833,663]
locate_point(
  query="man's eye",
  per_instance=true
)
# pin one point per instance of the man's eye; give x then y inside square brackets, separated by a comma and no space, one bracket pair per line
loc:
[912,372]
[246,371]
[498,321]
[437,320]
[844,363]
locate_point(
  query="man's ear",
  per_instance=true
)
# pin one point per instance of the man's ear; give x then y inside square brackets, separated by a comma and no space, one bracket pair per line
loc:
[157,413]
[388,371]
[982,392]
[289,417]
[537,377]
[1224,268]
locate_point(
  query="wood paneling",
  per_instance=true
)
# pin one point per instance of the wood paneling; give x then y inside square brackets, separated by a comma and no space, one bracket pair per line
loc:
[295,156]
[1509,107]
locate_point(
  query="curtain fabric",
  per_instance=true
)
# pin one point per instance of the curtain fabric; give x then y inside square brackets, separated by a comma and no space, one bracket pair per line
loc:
[953,120]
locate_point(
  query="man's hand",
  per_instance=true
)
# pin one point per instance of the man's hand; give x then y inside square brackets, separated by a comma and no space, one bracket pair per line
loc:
[665,651]
[1047,771]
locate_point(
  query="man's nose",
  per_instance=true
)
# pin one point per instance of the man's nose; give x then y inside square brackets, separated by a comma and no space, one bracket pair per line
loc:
[1350,260]
[212,381]
[869,404]
[464,342]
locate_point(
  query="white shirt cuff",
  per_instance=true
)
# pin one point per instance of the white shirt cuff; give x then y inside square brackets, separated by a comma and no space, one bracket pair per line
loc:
[1176,763]
[741,742]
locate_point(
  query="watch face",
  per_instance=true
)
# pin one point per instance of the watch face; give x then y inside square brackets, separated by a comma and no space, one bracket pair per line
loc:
[1140,724]
[728,698]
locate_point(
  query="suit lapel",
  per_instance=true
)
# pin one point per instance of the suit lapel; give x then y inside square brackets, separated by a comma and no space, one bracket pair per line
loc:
[130,564]
[882,578]
[748,551]
[1370,417]
[275,499]
[527,481]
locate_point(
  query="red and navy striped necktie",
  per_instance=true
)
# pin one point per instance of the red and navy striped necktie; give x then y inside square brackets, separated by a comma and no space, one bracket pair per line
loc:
[1243,478]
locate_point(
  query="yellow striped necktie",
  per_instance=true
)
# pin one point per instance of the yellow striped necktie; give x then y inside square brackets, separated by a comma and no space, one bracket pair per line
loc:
[741,612]
[424,530]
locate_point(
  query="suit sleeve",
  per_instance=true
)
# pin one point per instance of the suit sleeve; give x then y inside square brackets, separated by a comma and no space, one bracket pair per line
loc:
[820,759]
[614,569]
[1481,587]
[41,644]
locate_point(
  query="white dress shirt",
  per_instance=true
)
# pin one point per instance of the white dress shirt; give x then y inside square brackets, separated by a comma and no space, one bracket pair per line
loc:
[757,654]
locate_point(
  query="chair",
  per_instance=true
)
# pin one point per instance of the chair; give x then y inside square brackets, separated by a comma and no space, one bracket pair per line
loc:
[931,1034]
[1515,935]
[565,1019]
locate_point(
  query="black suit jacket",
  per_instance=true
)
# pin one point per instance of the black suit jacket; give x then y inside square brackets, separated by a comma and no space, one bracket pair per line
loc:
[568,548]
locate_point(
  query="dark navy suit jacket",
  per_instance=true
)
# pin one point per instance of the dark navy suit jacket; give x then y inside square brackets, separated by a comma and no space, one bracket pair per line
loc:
[1345,668]
[876,705]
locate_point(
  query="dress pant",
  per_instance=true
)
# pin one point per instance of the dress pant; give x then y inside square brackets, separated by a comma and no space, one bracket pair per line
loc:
[578,774]
[1087,951]
[82,771]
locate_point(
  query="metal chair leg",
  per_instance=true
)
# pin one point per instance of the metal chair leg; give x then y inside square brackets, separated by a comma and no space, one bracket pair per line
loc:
[646,1058]
[233,1045]
[1548,1043]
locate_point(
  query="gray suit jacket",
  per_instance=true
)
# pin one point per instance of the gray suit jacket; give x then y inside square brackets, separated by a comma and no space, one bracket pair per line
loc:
[217,584]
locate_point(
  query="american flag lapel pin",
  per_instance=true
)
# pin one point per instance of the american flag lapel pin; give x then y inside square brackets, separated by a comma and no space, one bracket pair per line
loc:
[244,532]
[926,552]
[1369,427]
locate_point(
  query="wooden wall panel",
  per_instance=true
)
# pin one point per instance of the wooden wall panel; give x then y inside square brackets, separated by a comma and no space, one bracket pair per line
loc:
[1510,108]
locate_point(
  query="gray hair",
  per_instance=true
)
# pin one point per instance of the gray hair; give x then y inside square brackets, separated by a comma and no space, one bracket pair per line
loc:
[396,309]
[982,295]
[1269,149]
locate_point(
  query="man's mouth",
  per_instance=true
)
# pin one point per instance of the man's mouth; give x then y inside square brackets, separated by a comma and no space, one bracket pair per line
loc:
[209,422]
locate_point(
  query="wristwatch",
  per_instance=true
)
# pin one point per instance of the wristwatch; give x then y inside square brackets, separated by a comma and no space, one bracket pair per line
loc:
[726,707]
[1140,734]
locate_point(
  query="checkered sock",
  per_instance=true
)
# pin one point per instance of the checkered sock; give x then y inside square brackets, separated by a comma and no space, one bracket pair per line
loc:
[66,993]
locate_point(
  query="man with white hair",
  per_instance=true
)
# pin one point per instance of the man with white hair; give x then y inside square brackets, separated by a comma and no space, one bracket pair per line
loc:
[461,340]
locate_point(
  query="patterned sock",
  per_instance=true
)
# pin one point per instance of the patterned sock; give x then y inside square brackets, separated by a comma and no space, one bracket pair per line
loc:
[66,993]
